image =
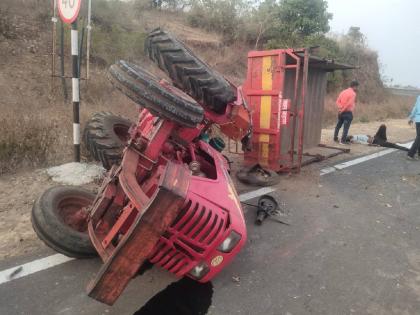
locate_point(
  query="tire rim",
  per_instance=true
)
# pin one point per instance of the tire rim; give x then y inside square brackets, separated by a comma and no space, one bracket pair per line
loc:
[122,132]
[72,211]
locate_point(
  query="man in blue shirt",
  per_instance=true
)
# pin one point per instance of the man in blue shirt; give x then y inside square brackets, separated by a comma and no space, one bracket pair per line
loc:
[415,117]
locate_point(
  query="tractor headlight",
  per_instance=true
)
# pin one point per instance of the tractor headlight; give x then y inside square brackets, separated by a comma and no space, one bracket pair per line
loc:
[200,270]
[229,243]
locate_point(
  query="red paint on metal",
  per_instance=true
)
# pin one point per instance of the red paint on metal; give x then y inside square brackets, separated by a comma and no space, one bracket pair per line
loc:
[135,246]
[126,214]
[151,207]
[285,116]
[73,18]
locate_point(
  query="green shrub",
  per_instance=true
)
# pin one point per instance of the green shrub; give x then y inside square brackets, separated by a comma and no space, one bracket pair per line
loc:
[223,16]
[116,34]
[114,43]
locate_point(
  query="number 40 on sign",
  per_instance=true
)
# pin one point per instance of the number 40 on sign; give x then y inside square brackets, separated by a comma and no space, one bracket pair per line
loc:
[69,10]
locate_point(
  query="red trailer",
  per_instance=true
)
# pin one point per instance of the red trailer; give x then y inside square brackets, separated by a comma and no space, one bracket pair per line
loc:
[285,90]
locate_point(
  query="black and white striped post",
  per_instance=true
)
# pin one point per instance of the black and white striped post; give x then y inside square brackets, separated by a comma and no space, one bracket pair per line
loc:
[75,90]
[68,11]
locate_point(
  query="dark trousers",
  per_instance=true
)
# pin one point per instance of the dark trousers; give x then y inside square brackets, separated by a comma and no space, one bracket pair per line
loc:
[380,139]
[344,118]
[416,145]
[387,144]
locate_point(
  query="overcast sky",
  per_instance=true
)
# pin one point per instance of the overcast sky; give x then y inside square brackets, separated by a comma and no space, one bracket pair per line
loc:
[392,28]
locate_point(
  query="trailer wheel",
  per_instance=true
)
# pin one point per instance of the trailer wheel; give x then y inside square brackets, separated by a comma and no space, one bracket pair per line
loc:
[105,137]
[188,72]
[59,218]
[161,99]
[258,176]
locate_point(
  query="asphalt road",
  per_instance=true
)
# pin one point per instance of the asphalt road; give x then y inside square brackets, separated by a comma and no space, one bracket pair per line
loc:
[352,247]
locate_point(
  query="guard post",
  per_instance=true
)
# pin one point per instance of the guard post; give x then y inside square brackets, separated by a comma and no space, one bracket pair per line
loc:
[69,10]
[75,84]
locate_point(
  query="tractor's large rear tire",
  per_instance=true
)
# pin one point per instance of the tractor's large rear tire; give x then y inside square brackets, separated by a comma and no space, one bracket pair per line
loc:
[105,136]
[161,100]
[59,218]
[188,72]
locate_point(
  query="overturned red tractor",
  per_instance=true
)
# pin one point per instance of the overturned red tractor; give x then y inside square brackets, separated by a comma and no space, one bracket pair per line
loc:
[170,201]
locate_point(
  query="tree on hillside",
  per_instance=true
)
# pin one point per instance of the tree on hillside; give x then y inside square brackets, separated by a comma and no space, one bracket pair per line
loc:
[223,16]
[304,17]
[354,50]
[260,20]
[299,20]
[173,5]
[284,23]
[356,36]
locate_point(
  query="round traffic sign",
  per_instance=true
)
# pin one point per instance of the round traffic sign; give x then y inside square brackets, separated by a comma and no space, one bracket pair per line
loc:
[69,10]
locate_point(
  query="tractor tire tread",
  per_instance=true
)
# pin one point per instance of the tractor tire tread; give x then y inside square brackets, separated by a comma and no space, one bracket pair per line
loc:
[101,141]
[144,89]
[188,72]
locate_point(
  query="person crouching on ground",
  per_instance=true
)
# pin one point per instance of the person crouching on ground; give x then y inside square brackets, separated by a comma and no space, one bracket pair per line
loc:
[346,102]
[415,117]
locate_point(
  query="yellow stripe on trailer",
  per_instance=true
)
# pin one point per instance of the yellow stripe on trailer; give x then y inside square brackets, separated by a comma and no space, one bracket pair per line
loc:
[265,108]
[267,74]
[264,152]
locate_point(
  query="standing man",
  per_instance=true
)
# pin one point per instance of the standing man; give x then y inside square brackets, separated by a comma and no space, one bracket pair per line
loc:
[345,103]
[415,117]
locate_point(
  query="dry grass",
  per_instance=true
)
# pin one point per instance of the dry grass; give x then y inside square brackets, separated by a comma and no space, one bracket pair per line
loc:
[26,140]
[394,107]
[41,134]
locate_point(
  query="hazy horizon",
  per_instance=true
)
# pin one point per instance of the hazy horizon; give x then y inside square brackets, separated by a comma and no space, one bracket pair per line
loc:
[391,28]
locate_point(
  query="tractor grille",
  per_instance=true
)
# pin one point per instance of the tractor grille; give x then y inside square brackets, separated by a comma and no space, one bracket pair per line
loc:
[193,233]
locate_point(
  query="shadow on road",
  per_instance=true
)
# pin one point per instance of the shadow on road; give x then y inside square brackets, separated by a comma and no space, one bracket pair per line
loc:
[184,297]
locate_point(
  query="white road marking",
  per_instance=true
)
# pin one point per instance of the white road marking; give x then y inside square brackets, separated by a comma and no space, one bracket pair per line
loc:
[32,267]
[407,145]
[327,170]
[58,259]
[362,159]
[256,193]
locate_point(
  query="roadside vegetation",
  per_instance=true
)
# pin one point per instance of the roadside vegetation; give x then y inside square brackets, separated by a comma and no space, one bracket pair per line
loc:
[35,124]
[394,106]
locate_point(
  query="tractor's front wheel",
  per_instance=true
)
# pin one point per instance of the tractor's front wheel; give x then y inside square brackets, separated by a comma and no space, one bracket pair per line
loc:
[59,218]
[160,98]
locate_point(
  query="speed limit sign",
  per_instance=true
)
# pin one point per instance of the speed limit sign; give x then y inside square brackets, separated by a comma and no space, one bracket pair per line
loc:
[69,10]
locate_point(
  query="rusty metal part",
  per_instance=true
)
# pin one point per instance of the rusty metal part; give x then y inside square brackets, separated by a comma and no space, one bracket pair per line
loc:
[136,245]
[320,157]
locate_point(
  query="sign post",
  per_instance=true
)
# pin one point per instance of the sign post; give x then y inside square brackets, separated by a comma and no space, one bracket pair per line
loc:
[69,10]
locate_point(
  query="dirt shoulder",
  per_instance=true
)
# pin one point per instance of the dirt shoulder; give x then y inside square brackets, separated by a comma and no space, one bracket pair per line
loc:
[17,194]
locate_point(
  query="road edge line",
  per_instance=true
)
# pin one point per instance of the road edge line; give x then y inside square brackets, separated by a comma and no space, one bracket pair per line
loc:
[32,267]
[358,160]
